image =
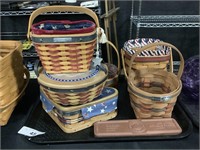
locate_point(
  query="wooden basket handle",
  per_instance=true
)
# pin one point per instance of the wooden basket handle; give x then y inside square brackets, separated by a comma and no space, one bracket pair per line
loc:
[46,9]
[123,63]
[139,50]
[118,58]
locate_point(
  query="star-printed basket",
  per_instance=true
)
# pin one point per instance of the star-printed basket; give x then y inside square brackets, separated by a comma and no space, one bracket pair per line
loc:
[153,93]
[153,55]
[11,70]
[64,46]
[73,88]
[75,118]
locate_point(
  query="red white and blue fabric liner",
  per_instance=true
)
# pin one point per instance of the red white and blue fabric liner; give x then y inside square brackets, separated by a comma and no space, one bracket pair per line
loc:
[101,108]
[160,50]
[63,27]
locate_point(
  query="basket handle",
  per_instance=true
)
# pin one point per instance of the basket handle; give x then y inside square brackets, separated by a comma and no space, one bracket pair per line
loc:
[118,58]
[37,64]
[181,67]
[46,9]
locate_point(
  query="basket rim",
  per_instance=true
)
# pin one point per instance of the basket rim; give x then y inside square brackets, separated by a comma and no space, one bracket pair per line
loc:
[148,58]
[17,45]
[52,84]
[63,35]
[42,31]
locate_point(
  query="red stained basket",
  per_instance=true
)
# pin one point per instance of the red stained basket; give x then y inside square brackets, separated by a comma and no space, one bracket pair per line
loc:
[64,51]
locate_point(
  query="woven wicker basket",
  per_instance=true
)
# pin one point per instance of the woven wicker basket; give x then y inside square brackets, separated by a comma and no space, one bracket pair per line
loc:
[7,109]
[75,118]
[153,93]
[113,71]
[73,88]
[11,70]
[154,55]
[64,53]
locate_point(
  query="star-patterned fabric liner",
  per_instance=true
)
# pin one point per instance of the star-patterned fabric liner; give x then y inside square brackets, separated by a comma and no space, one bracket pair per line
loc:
[101,108]
[93,110]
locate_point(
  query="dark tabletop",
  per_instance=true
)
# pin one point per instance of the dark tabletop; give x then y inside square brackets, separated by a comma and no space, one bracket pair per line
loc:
[10,139]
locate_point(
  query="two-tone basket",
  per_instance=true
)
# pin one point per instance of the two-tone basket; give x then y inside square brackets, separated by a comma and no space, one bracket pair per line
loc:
[75,118]
[64,46]
[153,93]
[154,55]
[73,88]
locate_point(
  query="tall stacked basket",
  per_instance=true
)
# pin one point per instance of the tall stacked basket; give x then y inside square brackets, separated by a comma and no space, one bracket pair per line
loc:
[71,82]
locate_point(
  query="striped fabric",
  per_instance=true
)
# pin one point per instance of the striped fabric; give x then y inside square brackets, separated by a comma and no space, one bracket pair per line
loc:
[141,42]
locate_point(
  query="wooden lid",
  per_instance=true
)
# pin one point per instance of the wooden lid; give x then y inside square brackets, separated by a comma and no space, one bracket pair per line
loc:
[73,80]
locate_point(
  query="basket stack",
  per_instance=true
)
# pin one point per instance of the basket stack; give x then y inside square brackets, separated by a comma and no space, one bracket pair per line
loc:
[153,92]
[71,81]
[12,79]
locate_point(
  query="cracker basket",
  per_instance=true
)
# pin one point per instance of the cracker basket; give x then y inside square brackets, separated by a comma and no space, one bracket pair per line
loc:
[153,56]
[73,88]
[11,70]
[75,118]
[64,53]
[7,109]
[113,71]
[153,93]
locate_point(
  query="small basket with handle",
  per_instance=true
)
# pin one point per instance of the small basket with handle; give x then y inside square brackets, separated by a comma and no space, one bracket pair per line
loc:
[75,118]
[153,92]
[64,51]
[155,56]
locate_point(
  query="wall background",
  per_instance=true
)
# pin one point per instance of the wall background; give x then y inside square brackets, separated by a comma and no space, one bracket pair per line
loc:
[185,39]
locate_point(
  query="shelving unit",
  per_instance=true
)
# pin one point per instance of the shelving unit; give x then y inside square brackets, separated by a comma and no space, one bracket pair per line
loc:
[166,21]
[161,21]
[28,12]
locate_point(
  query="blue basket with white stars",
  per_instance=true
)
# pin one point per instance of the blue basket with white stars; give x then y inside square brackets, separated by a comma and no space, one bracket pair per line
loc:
[75,118]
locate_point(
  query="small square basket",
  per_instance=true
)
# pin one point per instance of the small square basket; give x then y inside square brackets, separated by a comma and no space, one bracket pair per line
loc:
[76,118]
